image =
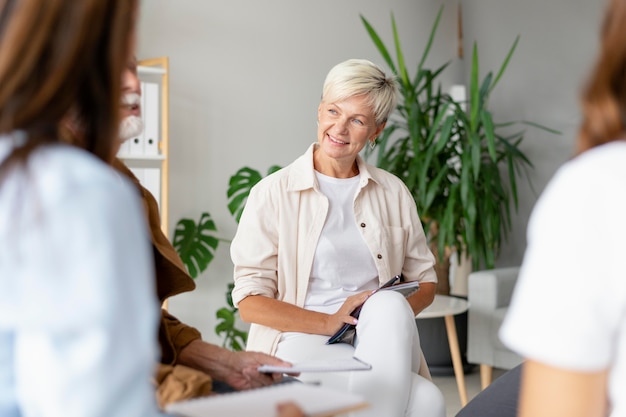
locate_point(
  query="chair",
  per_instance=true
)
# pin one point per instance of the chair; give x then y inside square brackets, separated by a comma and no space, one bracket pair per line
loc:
[489,295]
[499,399]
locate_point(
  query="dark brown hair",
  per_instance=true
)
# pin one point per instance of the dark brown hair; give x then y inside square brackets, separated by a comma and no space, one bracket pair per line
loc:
[57,55]
[604,97]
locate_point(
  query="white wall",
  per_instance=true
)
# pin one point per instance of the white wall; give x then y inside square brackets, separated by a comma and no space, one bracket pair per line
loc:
[246,78]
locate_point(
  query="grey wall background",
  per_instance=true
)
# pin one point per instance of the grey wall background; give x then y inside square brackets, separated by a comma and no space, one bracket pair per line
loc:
[246,77]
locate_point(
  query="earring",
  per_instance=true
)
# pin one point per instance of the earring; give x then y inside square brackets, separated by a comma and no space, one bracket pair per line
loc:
[372,144]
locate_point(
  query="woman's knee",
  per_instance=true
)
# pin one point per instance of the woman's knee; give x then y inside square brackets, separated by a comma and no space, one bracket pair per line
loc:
[389,303]
[426,399]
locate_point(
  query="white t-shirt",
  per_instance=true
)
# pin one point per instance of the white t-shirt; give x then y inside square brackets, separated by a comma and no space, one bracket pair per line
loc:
[78,307]
[569,306]
[342,265]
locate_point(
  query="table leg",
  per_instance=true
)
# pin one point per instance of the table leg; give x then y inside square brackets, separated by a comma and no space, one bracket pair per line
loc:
[455,353]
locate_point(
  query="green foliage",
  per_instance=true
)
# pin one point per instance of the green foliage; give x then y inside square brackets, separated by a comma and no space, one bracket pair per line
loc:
[452,159]
[234,338]
[196,243]
[239,188]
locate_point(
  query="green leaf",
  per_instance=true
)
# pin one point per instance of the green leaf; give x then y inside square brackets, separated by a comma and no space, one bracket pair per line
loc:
[273,169]
[489,131]
[433,187]
[379,44]
[404,76]
[196,243]
[476,154]
[234,338]
[474,91]
[483,96]
[431,37]
[505,63]
[239,188]
[225,314]
[444,136]
[542,127]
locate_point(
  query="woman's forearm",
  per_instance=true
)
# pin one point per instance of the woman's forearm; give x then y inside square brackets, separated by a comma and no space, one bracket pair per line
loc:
[422,298]
[283,316]
[548,391]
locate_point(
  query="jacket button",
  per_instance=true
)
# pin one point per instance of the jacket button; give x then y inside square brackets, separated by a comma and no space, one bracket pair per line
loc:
[379,256]
[362,224]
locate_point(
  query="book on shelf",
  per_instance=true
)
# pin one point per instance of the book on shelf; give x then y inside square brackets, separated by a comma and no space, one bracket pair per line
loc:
[330,365]
[315,401]
[347,332]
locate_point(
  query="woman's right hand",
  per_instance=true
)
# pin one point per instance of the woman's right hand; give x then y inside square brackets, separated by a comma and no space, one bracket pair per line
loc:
[342,316]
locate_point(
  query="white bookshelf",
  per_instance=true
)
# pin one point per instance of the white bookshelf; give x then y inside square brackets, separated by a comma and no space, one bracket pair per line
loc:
[147,156]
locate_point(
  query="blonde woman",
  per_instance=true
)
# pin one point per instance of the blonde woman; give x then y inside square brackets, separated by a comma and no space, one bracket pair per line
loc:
[317,237]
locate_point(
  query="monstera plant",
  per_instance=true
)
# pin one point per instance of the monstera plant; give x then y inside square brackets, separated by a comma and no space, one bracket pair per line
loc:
[196,242]
[239,188]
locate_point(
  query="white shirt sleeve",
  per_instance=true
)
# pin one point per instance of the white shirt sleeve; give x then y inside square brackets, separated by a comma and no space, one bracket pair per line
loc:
[568,303]
[86,341]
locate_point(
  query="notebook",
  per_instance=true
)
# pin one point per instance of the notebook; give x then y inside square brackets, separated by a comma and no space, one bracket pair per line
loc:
[350,364]
[348,331]
[315,401]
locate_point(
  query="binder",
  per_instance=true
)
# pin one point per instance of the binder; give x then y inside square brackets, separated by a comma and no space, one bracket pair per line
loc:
[151,118]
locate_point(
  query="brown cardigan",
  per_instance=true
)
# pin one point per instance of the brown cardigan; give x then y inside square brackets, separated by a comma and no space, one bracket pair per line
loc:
[171,277]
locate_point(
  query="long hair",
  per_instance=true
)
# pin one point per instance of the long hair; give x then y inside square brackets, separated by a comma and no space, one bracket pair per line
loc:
[604,97]
[57,55]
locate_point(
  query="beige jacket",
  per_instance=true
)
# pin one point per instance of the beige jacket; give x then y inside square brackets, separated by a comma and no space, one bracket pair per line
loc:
[278,232]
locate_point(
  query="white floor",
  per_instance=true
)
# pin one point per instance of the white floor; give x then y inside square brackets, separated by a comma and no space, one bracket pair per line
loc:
[448,386]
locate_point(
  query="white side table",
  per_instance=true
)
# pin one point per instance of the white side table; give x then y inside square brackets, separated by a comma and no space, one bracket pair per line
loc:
[447,307]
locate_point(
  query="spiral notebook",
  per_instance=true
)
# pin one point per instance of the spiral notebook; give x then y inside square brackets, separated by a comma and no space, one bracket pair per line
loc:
[315,401]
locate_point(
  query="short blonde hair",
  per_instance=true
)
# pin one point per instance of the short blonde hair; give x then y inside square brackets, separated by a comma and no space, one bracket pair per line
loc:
[356,77]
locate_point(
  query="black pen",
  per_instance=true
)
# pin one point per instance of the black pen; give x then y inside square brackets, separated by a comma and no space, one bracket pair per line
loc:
[391,281]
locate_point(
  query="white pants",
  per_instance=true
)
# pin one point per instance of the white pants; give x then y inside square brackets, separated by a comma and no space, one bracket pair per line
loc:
[387,339]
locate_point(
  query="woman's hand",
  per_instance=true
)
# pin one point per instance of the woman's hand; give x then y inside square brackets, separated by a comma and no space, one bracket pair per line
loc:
[237,369]
[244,374]
[342,316]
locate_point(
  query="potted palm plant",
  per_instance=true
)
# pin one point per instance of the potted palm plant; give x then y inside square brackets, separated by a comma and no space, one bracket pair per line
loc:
[459,166]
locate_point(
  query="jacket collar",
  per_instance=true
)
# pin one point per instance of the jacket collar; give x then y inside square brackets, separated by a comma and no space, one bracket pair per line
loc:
[302,174]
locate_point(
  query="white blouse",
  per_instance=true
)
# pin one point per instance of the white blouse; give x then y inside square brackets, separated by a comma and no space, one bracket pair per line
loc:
[342,264]
[78,307]
[569,305]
